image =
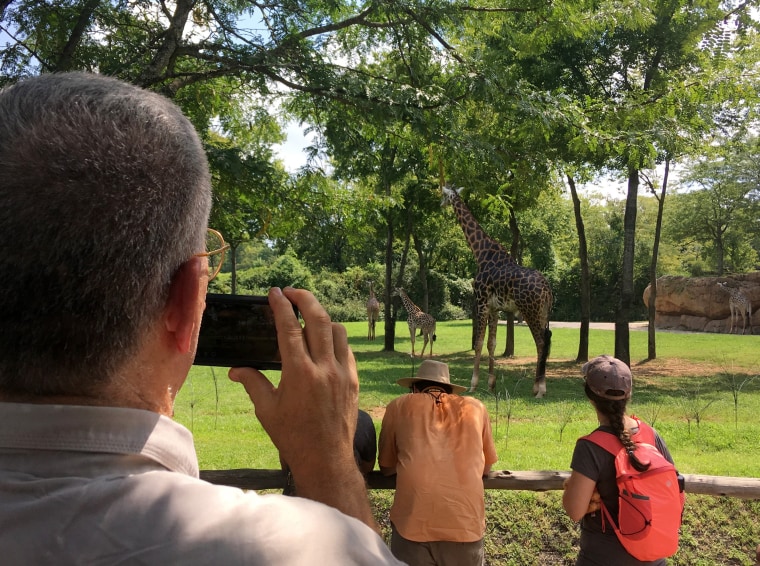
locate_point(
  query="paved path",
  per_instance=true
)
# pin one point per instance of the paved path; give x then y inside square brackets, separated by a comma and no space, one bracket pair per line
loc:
[637,325]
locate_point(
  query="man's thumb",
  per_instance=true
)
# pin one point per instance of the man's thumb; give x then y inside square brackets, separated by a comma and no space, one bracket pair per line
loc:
[254,382]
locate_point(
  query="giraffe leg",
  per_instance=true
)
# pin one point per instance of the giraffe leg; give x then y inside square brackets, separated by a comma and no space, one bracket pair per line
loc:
[479,336]
[493,321]
[749,317]
[542,336]
[412,331]
[424,345]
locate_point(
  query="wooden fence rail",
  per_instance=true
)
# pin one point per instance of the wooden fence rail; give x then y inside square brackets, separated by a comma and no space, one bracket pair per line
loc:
[744,488]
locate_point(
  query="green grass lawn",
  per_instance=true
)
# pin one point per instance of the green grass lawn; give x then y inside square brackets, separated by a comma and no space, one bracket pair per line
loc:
[688,393]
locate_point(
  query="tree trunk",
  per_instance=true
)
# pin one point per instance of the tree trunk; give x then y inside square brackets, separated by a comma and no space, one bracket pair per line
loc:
[652,311]
[233,265]
[159,66]
[389,325]
[425,302]
[509,347]
[585,290]
[514,251]
[65,61]
[389,315]
[623,315]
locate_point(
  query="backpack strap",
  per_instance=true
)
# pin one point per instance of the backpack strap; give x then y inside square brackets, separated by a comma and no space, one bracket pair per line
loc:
[612,444]
[646,433]
[606,440]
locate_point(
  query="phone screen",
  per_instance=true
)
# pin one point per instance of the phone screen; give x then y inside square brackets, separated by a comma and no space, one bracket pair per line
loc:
[238,331]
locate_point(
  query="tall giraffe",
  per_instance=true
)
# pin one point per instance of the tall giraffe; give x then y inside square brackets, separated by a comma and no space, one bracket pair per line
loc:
[418,319]
[503,285]
[373,312]
[739,305]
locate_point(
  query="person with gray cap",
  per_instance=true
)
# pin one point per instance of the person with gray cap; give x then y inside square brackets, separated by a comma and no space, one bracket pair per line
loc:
[608,385]
[439,445]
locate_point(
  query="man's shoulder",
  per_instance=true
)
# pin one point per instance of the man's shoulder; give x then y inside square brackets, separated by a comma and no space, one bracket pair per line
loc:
[470,401]
[194,511]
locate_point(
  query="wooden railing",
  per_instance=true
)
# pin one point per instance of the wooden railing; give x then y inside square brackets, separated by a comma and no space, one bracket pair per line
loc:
[744,488]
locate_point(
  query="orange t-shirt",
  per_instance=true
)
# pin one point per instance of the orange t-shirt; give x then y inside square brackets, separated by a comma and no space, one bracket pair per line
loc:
[440,449]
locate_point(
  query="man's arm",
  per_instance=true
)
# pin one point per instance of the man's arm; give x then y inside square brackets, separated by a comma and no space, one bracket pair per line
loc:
[311,415]
[578,495]
[387,458]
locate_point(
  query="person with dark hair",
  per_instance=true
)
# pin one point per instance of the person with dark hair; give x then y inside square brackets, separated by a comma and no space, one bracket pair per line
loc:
[105,195]
[440,447]
[608,386]
[365,451]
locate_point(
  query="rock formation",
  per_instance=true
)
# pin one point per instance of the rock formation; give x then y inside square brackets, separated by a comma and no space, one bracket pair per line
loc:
[699,304]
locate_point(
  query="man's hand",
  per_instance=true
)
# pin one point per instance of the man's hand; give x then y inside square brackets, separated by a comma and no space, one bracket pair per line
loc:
[311,415]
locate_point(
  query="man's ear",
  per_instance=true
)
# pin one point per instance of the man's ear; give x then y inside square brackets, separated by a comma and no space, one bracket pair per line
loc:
[184,306]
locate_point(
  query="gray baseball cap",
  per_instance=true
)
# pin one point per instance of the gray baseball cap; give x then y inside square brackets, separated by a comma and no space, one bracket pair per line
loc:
[608,378]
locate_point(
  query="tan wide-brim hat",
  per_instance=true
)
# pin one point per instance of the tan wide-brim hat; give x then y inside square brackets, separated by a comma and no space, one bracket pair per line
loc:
[430,370]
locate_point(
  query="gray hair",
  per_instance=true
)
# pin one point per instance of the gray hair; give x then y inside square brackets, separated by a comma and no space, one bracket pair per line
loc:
[104,193]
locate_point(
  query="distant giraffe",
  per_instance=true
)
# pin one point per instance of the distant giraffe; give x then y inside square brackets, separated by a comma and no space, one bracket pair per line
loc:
[503,285]
[418,319]
[373,312]
[739,305]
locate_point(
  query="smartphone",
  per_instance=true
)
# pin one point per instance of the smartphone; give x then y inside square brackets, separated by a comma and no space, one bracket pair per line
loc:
[238,331]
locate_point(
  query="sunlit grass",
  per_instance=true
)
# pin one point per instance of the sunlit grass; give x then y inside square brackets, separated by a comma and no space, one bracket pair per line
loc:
[694,410]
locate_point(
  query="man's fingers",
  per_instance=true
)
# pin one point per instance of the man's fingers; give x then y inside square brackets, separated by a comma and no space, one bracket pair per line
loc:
[317,329]
[342,351]
[289,331]
[258,387]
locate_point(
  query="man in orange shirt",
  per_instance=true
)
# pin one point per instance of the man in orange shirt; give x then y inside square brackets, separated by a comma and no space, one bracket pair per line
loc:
[440,446]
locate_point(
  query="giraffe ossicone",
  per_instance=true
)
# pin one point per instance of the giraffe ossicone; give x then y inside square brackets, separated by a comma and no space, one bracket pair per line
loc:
[418,319]
[501,284]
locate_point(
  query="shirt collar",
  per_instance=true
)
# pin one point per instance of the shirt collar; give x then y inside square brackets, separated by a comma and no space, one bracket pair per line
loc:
[112,430]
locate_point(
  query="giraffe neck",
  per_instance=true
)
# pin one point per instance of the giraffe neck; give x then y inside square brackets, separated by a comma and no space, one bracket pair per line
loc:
[371,291]
[410,307]
[480,243]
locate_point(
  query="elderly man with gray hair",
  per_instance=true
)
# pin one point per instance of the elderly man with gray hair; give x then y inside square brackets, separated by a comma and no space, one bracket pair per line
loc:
[105,195]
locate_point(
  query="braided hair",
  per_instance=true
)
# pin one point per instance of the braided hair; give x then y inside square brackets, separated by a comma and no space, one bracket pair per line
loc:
[615,413]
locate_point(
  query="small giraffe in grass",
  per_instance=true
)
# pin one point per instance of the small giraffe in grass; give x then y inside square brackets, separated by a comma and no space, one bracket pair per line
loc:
[739,305]
[418,319]
[502,284]
[373,312]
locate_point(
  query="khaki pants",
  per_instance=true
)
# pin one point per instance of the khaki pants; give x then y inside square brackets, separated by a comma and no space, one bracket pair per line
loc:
[436,553]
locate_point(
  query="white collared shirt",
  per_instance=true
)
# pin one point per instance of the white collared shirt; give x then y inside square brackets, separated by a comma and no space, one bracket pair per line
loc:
[97,485]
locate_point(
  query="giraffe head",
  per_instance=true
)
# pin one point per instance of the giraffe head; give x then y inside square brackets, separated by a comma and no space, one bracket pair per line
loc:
[450,194]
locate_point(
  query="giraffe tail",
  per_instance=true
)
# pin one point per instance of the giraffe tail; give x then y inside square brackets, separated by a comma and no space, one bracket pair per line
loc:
[434,337]
[545,354]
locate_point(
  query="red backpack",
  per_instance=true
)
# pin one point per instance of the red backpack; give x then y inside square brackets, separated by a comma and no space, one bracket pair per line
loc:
[651,502]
